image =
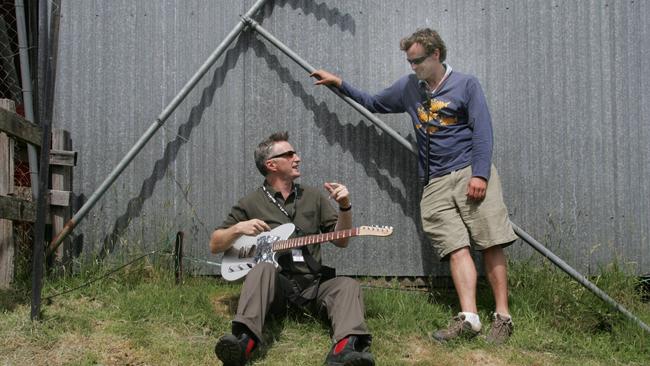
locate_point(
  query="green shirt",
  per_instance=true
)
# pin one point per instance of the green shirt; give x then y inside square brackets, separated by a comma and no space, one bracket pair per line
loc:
[310,210]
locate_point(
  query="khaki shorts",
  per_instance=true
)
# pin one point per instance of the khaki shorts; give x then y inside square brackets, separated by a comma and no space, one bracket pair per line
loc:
[452,221]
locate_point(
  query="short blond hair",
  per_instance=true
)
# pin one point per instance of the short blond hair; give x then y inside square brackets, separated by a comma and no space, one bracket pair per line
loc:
[429,39]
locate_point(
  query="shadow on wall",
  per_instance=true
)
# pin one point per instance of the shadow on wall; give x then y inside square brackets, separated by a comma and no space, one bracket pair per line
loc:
[333,16]
[347,136]
[134,208]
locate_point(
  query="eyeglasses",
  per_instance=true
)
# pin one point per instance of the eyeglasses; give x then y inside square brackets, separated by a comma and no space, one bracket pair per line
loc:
[417,61]
[287,154]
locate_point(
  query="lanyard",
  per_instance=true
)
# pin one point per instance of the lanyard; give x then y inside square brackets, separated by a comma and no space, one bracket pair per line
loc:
[425,126]
[284,211]
[301,254]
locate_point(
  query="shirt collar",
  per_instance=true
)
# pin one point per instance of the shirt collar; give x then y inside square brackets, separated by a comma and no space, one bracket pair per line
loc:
[276,194]
[444,78]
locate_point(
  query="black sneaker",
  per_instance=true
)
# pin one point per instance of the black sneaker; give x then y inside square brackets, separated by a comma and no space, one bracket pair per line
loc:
[351,351]
[234,351]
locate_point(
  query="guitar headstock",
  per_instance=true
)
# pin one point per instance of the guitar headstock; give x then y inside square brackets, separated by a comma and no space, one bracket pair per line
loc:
[375,230]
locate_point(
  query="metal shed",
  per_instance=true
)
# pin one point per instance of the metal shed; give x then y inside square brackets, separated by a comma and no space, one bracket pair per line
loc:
[567,83]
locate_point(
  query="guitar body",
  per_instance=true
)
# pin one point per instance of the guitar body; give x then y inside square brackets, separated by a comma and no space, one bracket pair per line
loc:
[248,251]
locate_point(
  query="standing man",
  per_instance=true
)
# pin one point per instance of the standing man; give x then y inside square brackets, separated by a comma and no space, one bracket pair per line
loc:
[462,204]
[301,280]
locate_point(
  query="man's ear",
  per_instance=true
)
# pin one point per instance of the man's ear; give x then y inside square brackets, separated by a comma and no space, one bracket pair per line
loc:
[436,52]
[270,166]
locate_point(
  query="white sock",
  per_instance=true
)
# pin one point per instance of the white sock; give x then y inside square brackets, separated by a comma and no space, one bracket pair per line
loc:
[503,316]
[473,319]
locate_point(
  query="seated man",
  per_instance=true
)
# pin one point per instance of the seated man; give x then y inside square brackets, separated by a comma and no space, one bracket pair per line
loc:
[300,280]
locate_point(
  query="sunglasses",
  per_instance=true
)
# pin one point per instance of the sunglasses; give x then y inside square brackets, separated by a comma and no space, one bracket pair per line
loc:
[417,61]
[287,154]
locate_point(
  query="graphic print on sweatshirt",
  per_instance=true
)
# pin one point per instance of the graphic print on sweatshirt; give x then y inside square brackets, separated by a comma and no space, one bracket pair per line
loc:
[435,114]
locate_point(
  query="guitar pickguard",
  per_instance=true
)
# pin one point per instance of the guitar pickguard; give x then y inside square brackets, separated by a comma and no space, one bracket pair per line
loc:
[264,249]
[248,251]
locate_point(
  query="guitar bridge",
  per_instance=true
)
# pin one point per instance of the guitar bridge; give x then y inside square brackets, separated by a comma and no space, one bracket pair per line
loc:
[246,252]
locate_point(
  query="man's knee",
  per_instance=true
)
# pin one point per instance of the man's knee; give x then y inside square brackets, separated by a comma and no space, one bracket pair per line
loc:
[460,254]
[262,270]
[347,284]
[495,251]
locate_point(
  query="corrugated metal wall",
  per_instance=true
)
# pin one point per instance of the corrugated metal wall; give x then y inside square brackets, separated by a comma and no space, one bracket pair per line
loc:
[567,83]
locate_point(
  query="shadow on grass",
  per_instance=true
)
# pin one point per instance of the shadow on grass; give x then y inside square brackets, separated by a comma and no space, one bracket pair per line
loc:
[11,297]
[276,322]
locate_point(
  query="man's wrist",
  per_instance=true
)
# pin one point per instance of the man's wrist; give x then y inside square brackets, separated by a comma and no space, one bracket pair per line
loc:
[345,208]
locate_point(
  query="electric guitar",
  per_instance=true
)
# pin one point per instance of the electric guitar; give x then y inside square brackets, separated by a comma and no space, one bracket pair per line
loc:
[248,251]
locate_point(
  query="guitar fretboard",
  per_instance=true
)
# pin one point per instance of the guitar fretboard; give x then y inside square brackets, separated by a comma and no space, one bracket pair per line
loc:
[314,239]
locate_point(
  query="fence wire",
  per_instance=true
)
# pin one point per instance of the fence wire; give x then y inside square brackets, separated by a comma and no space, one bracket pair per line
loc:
[23,231]
[9,60]
[11,88]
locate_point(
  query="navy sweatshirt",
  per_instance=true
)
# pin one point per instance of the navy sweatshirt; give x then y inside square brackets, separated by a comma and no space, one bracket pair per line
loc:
[458,121]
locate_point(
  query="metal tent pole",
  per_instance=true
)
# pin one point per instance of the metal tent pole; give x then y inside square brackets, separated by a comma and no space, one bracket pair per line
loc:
[70,225]
[28,103]
[578,276]
[305,65]
[522,234]
[46,39]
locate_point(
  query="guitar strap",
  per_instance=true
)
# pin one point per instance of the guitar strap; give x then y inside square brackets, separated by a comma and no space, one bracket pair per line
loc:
[311,262]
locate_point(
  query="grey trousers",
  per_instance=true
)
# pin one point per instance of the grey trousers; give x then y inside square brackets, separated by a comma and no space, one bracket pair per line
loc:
[265,291]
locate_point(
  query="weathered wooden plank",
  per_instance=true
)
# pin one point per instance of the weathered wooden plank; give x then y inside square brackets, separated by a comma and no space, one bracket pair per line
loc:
[7,245]
[62,157]
[16,209]
[54,197]
[59,198]
[61,183]
[20,128]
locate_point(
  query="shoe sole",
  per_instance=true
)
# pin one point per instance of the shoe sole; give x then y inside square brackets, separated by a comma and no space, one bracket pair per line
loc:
[437,339]
[228,351]
[357,362]
[441,339]
[360,362]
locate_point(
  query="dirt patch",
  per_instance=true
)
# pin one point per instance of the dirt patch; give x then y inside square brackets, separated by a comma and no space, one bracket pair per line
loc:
[426,352]
[420,351]
[480,357]
[225,304]
[72,348]
[102,349]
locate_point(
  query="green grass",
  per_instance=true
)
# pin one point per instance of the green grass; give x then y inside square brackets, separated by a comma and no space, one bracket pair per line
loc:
[139,316]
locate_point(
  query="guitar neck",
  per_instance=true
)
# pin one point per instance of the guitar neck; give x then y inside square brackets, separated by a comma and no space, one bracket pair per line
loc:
[314,239]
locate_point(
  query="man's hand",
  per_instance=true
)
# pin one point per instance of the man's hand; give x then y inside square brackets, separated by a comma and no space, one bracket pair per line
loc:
[251,227]
[339,193]
[222,239]
[476,188]
[326,78]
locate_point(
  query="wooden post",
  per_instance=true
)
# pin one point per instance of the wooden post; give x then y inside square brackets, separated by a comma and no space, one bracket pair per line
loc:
[7,247]
[61,181]
[178,257]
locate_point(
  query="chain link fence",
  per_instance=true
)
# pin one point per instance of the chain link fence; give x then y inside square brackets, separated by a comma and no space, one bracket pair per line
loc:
[9,61]
[11,88]
[23,231]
